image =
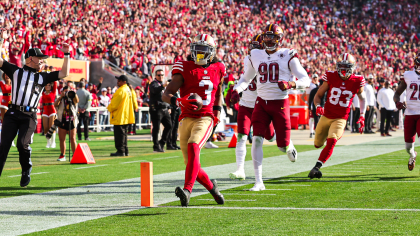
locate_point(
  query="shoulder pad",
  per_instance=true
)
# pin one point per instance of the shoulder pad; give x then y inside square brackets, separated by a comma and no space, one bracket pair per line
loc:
[292,52]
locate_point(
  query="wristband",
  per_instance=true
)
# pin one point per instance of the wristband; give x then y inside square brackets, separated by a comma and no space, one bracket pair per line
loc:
[217,108]
[173,100]
[318,106]
[67,54]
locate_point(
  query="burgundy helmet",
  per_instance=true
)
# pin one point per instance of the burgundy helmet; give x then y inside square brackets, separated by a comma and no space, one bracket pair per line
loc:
[272,37]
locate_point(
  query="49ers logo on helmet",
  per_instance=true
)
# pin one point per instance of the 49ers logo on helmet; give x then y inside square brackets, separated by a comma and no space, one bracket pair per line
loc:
[272,37]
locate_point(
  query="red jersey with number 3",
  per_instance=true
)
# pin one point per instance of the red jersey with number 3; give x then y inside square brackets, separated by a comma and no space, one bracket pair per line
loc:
[203,81]
[340,94]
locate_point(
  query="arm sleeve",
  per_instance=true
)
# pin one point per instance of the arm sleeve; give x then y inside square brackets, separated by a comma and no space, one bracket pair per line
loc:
[89,101]
[379,98]
[362,102]
[303,80]
[246,77]
[155,88]
[9,68]
[115,102]
[49,77]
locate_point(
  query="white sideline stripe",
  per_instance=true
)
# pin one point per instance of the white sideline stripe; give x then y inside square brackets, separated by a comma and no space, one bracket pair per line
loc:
[85,167]
[294,185]
[278,190]
[257,194]
[224,150]
[63,207]
[39,173]
[244,200]
[162,158]
[133,161]
[297,208]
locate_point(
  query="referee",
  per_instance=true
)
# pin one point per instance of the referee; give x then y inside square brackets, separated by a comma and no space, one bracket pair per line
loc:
[27,86]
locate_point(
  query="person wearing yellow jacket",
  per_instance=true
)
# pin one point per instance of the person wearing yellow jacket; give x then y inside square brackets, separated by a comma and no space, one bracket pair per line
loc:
[122,107]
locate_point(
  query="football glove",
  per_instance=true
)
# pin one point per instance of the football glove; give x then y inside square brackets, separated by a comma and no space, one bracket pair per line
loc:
[284,85]
[234,97]
[400,105]
[186,103]
[319,110]
[361,121]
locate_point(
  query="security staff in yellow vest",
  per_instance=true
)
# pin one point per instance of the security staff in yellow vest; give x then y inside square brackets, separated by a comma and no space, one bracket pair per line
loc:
[122,107]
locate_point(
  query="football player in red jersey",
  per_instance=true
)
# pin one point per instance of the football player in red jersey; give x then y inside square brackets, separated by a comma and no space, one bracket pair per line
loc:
[203,74]
[411,82]
[342,85]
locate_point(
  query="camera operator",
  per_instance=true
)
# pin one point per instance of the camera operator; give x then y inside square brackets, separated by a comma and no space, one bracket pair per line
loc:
[159,112]
[66,119]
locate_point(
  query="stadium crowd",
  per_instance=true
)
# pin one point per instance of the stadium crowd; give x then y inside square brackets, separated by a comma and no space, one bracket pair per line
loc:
[381,34]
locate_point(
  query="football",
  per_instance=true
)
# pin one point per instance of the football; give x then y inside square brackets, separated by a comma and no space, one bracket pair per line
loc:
[199,102]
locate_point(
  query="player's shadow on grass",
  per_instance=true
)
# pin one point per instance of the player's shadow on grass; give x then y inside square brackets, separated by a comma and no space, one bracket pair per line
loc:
[151,214]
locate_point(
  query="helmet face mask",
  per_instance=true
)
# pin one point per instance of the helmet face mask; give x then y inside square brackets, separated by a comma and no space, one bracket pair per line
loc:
[417,64]
[271,41]
[346,65]
[256,43]
[202,49]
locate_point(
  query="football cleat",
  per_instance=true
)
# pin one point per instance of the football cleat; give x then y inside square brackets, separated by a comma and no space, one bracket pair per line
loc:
[257,187]
[183,195]
[237,175]
[315,173]
[292,153]
[412,162]
[218,197]
[210,145]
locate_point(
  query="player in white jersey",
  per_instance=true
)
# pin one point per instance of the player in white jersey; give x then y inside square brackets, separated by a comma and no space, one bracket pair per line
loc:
[411,83]
[274,69]
[246,108]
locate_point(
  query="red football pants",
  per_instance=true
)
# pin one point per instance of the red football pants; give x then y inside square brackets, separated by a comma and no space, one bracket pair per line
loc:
[411,127]
[244,122]
[276,111]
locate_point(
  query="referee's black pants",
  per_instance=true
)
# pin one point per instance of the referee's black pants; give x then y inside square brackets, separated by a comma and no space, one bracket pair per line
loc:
[25,123]
[120,137]
[83,118]
[160,116]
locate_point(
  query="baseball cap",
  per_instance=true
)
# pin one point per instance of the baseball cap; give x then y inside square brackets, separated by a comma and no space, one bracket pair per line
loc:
[90,84]
[35,52]
[103,89]
[122,77]
[137,88]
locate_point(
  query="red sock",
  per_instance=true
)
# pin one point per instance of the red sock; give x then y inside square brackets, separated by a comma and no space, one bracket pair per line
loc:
[328,150]
[193,166]
[204,179]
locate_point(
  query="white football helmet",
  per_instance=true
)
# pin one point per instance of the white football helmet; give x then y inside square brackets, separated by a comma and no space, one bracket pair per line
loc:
[203,49]
[346,64]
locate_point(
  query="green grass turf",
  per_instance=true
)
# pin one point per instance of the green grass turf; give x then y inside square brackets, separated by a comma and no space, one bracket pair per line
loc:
[339,188]
[64,175]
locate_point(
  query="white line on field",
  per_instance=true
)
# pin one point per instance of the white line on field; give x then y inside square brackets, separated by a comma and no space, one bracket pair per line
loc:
[39,173]
[278,189]
[257,194]
[162,158]
[303,208]
[85,167]
[222,151]
[133,161]
[245,200]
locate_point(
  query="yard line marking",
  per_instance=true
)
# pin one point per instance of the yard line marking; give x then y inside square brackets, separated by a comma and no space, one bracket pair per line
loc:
[85,167]
[356,181]
[39,173]
[245,200]
[303,208]
[162,158]
[222,151]
[297,185]
[133,161]
[241,194]
[279,189]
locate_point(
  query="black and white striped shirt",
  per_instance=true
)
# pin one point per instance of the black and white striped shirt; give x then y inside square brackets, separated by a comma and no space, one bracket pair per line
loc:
[27,83]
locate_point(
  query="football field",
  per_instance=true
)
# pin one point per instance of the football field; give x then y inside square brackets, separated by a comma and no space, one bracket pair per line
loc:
[366,190]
